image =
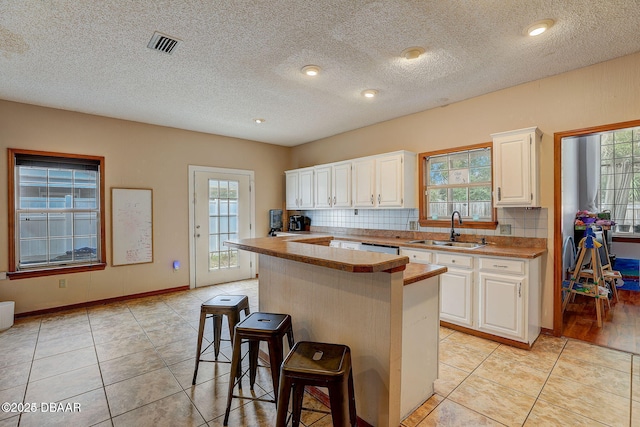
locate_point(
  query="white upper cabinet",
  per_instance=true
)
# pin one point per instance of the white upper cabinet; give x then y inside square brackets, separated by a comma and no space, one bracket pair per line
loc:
[515,168]
[299,190]
[323,194]
[341,184]
[382,181]
[364,183]
[385,181]
[333,185]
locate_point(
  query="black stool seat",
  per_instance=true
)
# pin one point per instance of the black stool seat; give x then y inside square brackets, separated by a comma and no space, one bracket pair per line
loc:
[268,327]
[320,365]
[218,306]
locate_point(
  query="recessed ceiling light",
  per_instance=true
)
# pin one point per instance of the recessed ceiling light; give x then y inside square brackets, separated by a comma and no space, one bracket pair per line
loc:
[258,121]
[369,93]
[311,70]
[412,52]
[539,27]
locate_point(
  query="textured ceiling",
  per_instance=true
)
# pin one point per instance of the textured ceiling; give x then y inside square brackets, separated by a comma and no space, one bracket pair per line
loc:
[238,60]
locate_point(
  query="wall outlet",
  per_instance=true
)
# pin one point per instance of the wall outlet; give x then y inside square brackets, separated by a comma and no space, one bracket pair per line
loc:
[3,275]
[413,225]
[505,229]
[62,283]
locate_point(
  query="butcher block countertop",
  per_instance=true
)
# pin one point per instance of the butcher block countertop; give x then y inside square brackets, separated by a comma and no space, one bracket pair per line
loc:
[314,249]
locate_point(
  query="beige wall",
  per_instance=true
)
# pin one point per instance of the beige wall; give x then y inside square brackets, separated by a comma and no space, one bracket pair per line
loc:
[596,95]
[136,155]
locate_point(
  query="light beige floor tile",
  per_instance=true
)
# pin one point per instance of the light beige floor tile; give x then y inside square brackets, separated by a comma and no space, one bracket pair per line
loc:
[173,410]
[141,390]
[423,411]
[512,374]
[167,334]
[478,344]
[613,359]
[120,317]
[251,413]
[541,360]
[122,347]
[107,334]
[63,386]
[601,406]
[63,362]
[594,374]
[54,331]
[11,395]
[492,400]
[15,375]
[183,371]
[10,422]
[107,423]
[17,350]
[178,351]
[550,344]
[459,356]
[129,366]
[449,378]
[635,387]
[91,409]
[63,344]
[635,413]
[449,413]
[23,326]
[545,414]
[210,397]
[103,311]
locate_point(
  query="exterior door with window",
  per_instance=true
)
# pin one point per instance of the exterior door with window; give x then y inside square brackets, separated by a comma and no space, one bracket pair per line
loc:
[222,211]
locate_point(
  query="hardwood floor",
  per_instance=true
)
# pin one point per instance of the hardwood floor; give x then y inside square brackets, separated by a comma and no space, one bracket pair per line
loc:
[620,324]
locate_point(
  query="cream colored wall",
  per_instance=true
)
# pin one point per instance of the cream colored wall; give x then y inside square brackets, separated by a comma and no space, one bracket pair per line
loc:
[136,155]
[596,95]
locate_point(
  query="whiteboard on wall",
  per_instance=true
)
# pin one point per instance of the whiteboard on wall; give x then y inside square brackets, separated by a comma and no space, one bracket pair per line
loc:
[131,226]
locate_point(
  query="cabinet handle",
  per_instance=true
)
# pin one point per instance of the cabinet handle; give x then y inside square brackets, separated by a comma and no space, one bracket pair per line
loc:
[519,290]
[499,266]
[334,200]
[378,199]
[329,201]
[499,194]
[372,199]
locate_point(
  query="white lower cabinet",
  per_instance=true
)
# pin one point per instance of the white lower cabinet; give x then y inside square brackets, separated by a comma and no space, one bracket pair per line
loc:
[499,296]
[501,304]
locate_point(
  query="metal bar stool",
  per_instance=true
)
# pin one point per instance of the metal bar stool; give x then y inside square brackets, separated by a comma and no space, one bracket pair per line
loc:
[256,327]
[221,305]
[320,365]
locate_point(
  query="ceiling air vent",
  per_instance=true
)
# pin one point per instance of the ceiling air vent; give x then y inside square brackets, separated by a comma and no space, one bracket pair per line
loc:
[163,43]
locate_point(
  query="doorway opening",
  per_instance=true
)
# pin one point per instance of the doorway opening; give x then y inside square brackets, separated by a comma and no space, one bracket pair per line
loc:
[221,208]
[610,185]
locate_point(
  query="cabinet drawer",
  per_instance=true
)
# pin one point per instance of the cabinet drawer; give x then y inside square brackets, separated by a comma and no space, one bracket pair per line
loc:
[512,266]
[454,260]
[421,257]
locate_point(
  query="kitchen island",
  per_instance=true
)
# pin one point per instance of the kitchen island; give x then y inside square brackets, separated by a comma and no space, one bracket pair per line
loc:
[385,309]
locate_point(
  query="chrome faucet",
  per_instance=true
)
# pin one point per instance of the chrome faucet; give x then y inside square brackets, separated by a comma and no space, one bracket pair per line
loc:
[452,237]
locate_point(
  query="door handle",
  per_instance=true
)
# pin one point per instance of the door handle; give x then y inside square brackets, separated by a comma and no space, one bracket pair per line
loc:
[499,194]
[519,290]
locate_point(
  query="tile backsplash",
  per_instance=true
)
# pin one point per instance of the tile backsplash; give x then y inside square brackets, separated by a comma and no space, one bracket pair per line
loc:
[523,222]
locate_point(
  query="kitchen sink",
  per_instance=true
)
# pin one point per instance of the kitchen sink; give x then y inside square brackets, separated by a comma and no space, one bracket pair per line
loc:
[468,245]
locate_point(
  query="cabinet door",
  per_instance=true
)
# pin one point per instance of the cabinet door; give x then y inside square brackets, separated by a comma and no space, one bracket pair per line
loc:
[323,197]
[292,199]
[389,181]
[306,188]
[500,298]
[341,185]
[512,160]
[456,297]
[364,183]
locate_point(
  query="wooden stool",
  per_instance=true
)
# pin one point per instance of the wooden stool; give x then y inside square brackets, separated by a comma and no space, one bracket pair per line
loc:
[320,365]
[216,307]
[254,328]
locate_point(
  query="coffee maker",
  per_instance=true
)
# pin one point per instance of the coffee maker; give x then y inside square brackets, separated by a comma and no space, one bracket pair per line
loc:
[297,222]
